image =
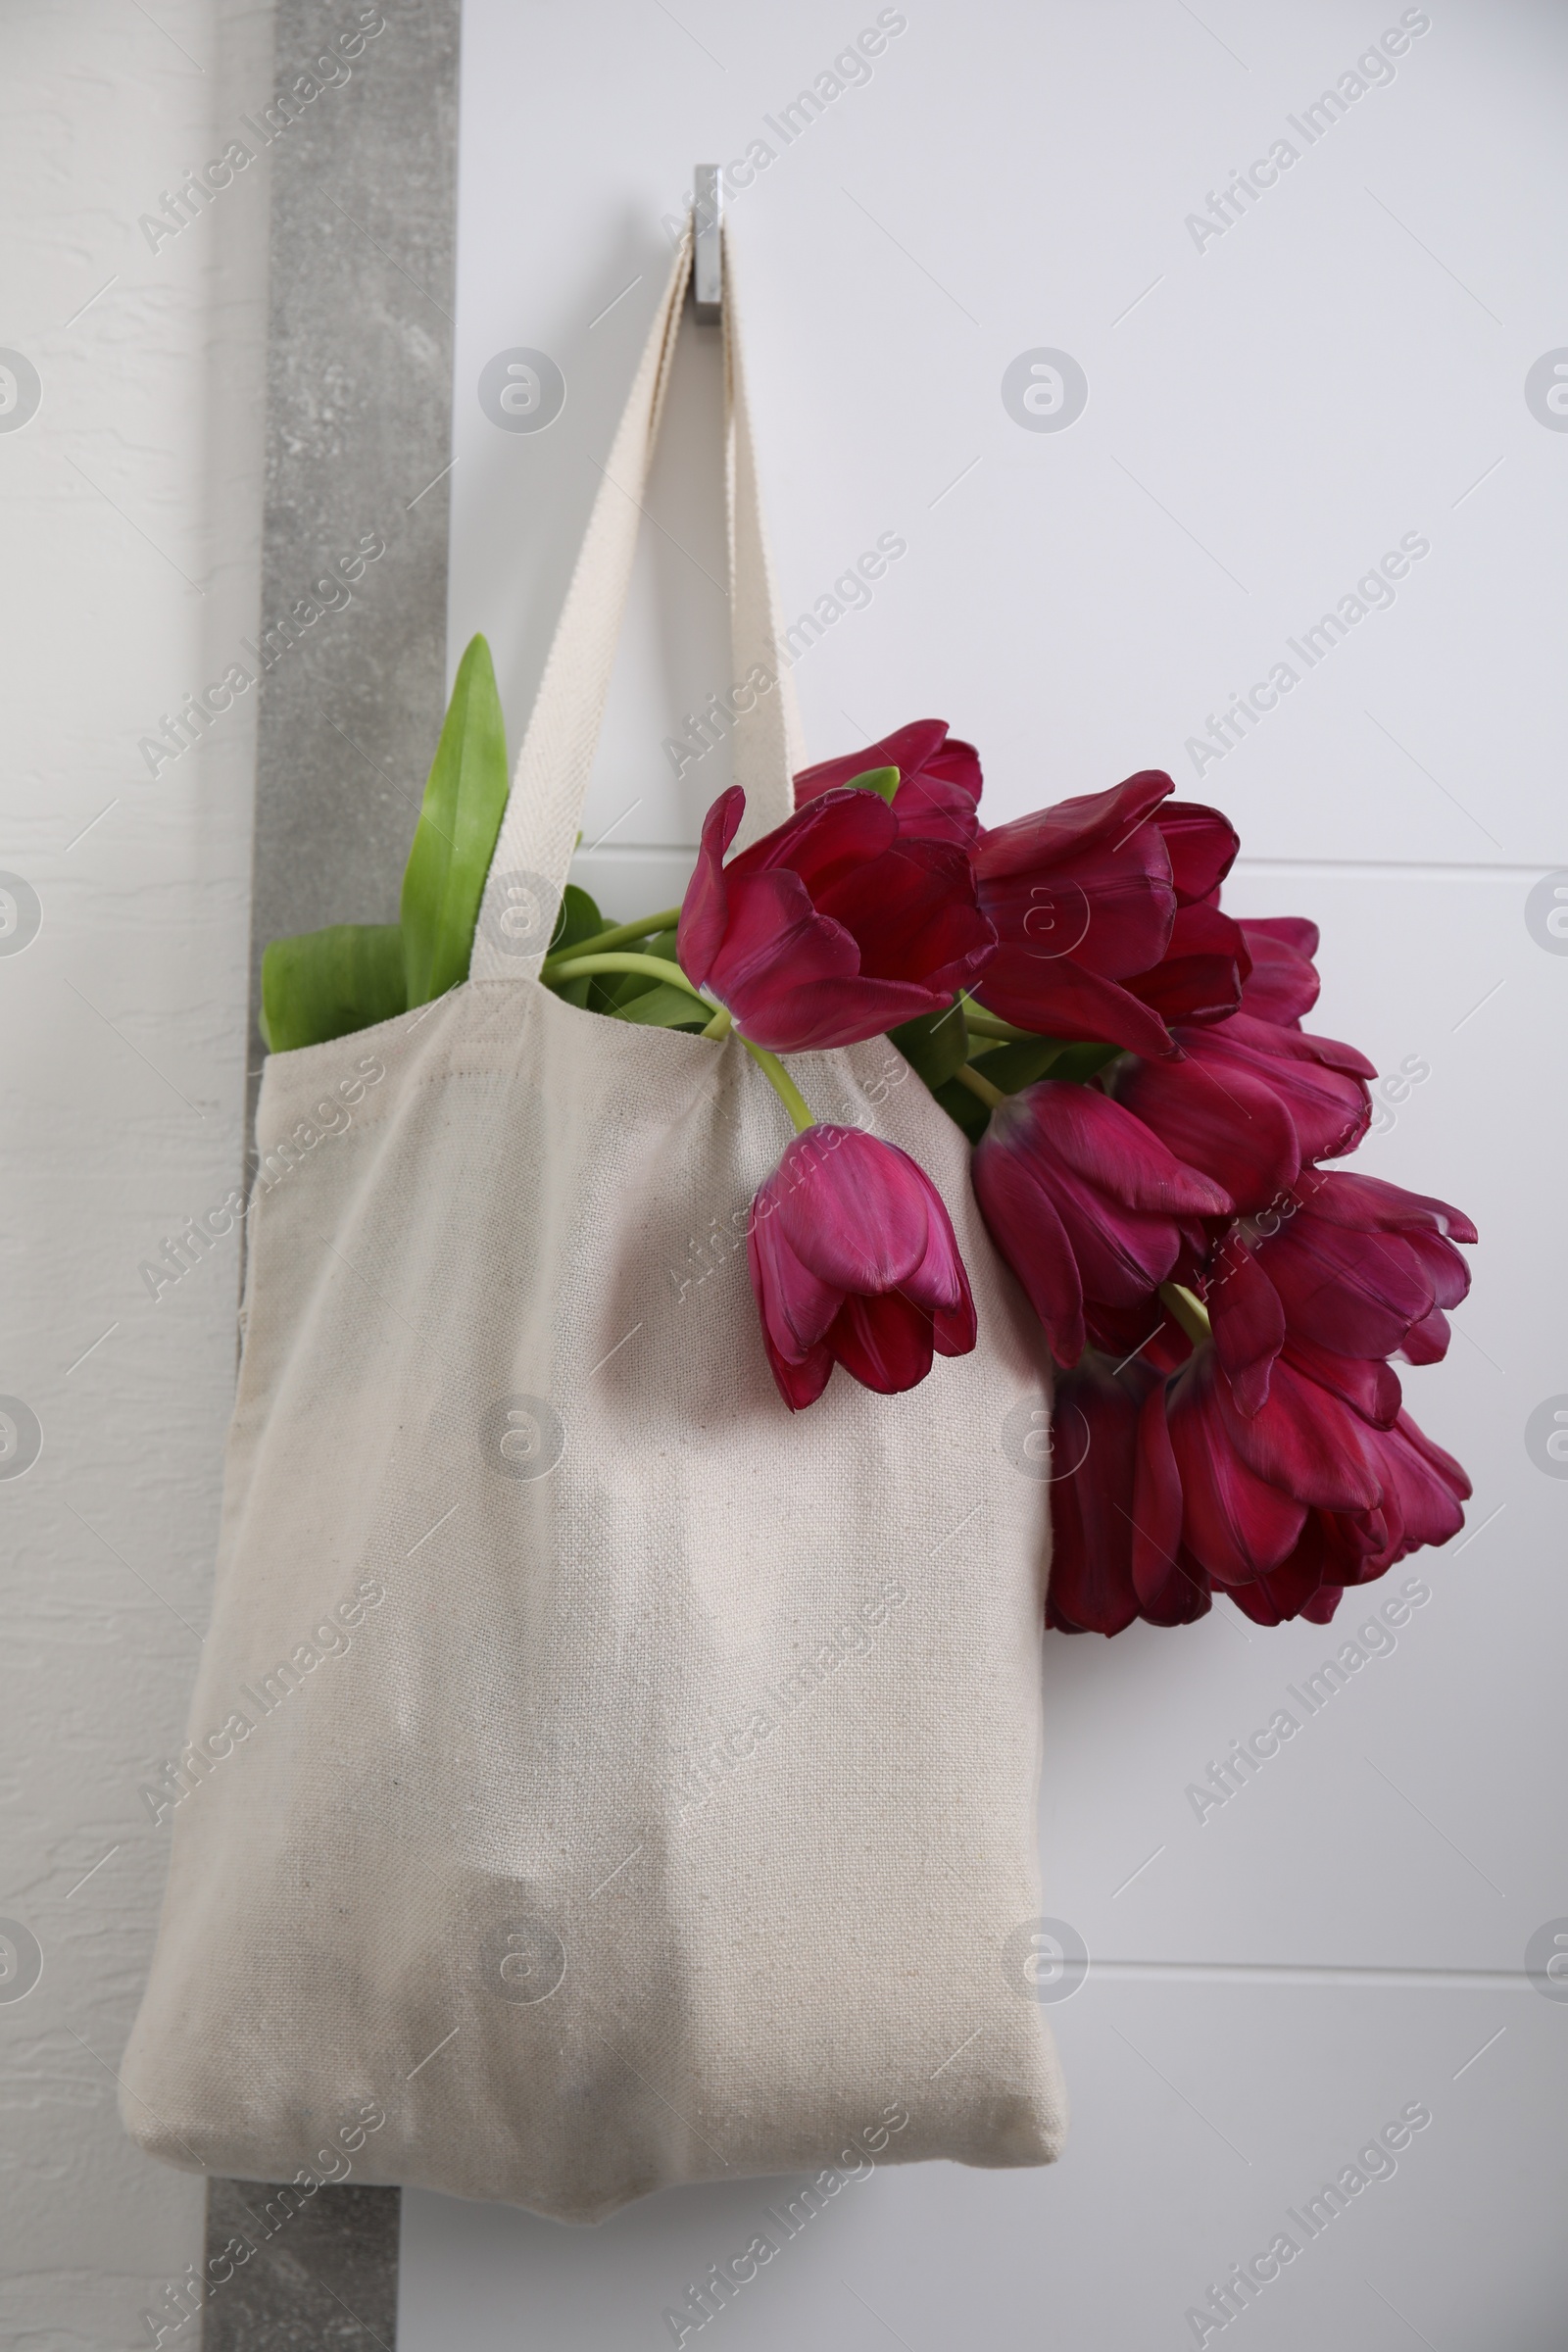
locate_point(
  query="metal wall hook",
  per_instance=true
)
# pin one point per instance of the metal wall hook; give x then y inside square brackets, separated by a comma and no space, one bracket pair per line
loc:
[708,256]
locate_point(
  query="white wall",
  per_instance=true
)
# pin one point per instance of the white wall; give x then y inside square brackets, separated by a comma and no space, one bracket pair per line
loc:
[132,526]
[1266,415]
[1345,363]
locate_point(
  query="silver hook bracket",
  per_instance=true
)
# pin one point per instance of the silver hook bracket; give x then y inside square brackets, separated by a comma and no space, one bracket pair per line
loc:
[708,256]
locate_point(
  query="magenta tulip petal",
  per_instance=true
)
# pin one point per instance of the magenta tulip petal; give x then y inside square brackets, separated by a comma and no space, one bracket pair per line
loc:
[796,1307]
[1320,1610]
[1449,1474]
[931,807]
[1369,1388]
[1102,1143]
[954,1329]
[1288,1591]
[1305,1441]
[1441,1263]
[1201,844]
[1060,999]
[852,1209]
[705,910]
[885,1343]
[771,929]
[1356,1293]
[1329,1110]
[824,840]
[1199,989]
[939,1282]
[939,779]
[1110,909]
[1200,974]
[854,1261]
[1123,1256]
[1093,1454]
[1283,984]
[1247,1319]
[834,1012]
[836,925]
[1234,1521]
[1269,1043]
[1346,1198]
[1084,1202]
[913,914]
[802,1384]
[1081,897]
[1426,1488]
[1023,1223]
[1165,1589]
[1048,836]
[1426,1341]
[1292,931]
[1357,1269]
[907,749]
[1231,1123]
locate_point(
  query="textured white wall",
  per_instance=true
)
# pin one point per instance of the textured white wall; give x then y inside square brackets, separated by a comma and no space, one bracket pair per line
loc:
[132,502]
[1274,1984]
[1270,409]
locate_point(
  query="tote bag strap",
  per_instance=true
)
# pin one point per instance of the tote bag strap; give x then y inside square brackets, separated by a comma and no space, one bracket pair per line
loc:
[544,808]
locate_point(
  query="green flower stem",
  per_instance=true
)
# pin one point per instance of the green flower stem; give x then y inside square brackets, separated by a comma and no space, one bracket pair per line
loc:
[1188,1311]
[657,967]
[986,1024]
[988,1094]
[721,1025]
[619,936]
[783,1085]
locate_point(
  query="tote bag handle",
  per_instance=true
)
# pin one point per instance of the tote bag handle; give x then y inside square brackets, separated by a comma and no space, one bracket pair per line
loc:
[544,808]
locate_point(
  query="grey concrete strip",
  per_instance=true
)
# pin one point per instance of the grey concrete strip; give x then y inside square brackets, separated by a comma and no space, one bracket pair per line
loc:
[358,437]
[352,655]
[322,2271]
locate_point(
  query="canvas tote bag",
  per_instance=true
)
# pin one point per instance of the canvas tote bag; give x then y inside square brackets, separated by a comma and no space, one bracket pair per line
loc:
[596,1772]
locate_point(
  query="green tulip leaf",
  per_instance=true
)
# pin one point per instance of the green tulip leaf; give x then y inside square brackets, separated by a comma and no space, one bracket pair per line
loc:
[614,990]
[325,984]
[579,919]
[662,1007]
[935,1044]
[970,1113]
[1014,1066]
[1079,1062]
[600,991]
[455,839]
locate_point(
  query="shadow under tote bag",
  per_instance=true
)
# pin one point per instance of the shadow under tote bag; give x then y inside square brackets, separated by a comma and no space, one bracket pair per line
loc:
[598,1774]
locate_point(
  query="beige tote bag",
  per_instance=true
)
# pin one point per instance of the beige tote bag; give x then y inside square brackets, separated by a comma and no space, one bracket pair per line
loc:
[598,1778]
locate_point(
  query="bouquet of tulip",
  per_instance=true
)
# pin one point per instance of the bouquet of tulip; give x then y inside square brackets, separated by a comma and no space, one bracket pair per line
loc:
[1150,1123]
